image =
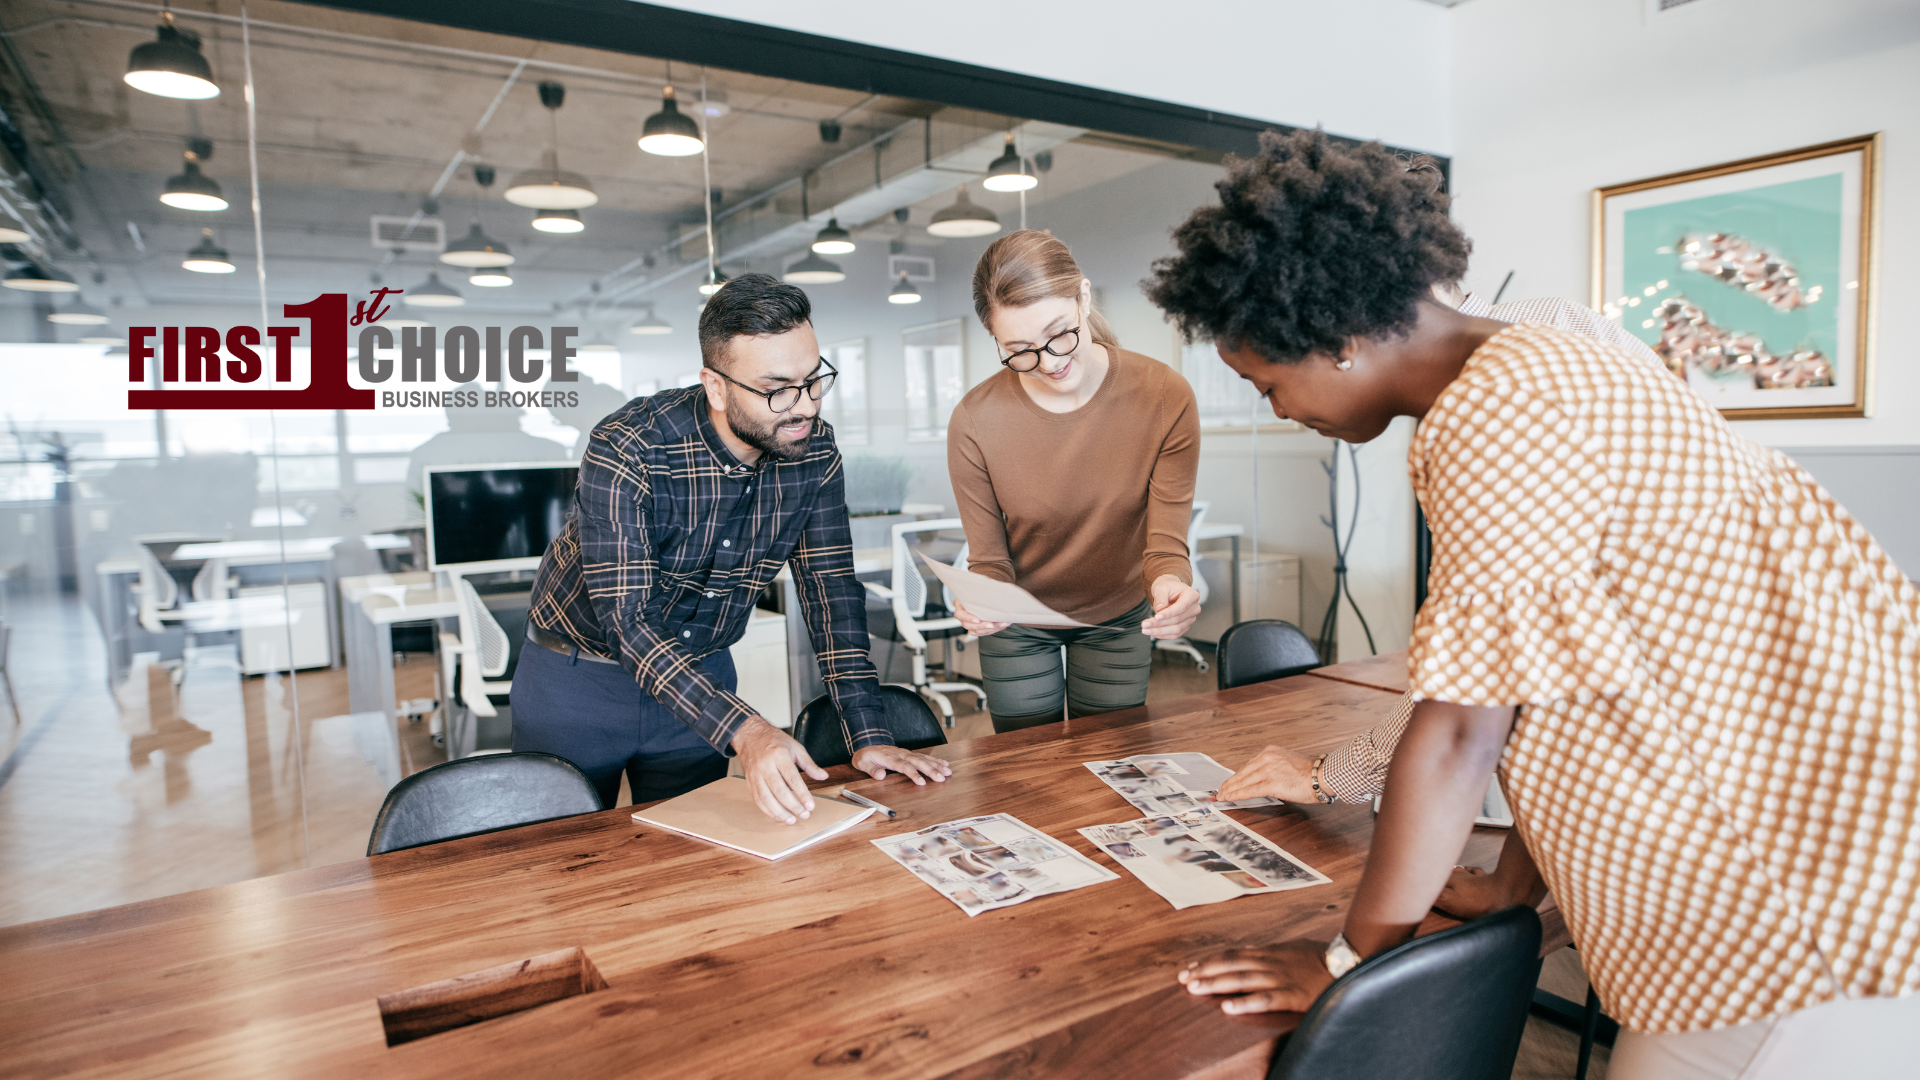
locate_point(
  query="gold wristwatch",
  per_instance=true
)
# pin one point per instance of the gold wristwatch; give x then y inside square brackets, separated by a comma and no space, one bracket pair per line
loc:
[1340,957]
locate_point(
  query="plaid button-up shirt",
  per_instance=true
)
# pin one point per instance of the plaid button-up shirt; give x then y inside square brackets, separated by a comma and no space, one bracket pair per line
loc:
[671,543]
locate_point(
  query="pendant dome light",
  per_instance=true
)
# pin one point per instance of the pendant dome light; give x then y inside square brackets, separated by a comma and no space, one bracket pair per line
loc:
[208,257]
[548,188]
[558,221]
[79,313]
[192,189]
[714,283]
[904,292]
[814,270]
[833,240]
[434,293]
[31,278]
[670,132]
[1008,172]
[651,324]
[12,232]
[964,219]
[599,344]
[477,249]
[491,277]
[171,65]
[100,337]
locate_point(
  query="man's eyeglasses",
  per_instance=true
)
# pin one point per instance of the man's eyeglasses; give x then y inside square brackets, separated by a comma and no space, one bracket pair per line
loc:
[785,398]
[1060,344]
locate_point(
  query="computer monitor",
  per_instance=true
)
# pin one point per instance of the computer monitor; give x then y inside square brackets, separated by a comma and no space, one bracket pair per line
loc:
[495,517]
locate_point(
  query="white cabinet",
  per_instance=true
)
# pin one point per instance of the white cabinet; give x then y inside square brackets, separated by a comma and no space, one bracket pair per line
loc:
[264,627]
[1269,589]
[760,659]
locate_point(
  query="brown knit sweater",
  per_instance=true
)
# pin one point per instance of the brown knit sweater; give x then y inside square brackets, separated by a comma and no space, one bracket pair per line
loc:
[1083,509]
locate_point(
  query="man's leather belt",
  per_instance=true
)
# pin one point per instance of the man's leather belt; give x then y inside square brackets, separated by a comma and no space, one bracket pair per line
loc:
[555,643]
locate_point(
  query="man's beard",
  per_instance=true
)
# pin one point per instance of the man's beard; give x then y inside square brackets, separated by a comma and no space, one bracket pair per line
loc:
[767,440]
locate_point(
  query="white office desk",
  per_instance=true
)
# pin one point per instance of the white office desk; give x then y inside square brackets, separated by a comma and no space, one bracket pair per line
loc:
[256,552]
[373,604]
[1226,531]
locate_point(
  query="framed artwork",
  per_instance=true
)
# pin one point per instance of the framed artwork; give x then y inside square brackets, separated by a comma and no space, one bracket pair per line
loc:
[1753,280]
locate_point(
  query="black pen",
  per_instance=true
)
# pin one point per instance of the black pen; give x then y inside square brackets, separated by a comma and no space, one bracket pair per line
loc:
[862,800]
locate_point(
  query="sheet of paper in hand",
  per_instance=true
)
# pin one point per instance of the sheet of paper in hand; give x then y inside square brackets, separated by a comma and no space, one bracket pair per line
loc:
[997,601]
[995,861]
[1201,857]
[1170,783]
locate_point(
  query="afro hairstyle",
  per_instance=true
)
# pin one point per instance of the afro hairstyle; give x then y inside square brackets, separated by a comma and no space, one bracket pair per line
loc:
[1313,244]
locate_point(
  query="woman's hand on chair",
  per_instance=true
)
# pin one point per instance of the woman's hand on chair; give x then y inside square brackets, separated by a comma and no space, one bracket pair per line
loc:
[1277,978]
[975,625]
[1175,605]
[877,761]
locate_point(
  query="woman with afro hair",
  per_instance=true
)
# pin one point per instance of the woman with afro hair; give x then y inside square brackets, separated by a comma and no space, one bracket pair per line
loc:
[1698,676]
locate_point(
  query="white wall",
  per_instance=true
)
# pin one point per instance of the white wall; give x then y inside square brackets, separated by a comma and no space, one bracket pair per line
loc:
[1373,69]
[1553,100]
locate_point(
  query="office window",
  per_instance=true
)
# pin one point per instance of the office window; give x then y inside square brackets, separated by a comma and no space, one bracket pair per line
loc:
[1225,399]
[845,407]
[936,377]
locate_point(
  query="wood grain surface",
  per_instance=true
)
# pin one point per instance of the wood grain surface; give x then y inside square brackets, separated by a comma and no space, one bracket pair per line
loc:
[1387,671]
[833,962]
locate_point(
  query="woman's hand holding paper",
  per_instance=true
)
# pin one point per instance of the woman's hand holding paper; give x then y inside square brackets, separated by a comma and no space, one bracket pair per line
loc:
[975,625]
[1175,605]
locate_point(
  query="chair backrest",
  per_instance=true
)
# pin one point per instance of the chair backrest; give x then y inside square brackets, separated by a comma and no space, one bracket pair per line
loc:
[479,794]
[907,715]
[1448,1006]
[480,631]
[909,587]
[1261,649]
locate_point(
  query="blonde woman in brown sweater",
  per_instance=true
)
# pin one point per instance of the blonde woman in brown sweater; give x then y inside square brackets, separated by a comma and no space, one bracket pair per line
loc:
[1073,468]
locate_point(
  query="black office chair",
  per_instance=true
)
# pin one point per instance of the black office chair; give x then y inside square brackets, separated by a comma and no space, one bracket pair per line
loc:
[1261,649]
[1448,1006]
[908,716]
[479,795]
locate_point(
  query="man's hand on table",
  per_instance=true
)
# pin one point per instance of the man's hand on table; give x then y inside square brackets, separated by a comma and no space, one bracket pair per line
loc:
[1287,977]
[773,762]
[877,761]
[1275,772]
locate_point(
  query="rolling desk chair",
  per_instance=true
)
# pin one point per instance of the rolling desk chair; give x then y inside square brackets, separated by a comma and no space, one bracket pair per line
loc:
[907,593]
[1180,644]
[476,666]
[167,586]
[479,795]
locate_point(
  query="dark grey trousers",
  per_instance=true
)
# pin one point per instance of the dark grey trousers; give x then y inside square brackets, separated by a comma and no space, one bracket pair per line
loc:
[1106,669]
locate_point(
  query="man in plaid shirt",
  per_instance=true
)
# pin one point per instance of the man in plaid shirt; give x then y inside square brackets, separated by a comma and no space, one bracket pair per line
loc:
[689,503]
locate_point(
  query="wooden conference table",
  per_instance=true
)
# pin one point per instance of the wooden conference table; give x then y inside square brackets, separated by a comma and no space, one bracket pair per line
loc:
[834,962]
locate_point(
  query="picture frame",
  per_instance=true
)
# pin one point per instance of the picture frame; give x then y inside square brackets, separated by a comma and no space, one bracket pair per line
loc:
[1754,279]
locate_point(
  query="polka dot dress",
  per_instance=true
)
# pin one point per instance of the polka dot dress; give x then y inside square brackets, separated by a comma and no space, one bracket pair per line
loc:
[1715,765]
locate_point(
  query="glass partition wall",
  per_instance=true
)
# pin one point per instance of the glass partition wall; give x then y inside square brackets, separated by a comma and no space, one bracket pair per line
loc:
[226,638]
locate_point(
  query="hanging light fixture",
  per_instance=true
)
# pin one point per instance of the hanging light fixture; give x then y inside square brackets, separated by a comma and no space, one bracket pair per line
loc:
[79,313]
[477,249]
[433,293]
[208,257]
[904,292]
[1008,172]
[964,219]
[600,344]
[12,232]
[670,132]
[192,189]
[833,240]
[400,323]
[714,283]
[814,270]
[171,65]
[651,324]
[547,188]
[31,278]
[98,337]
[492,277]
[558,221]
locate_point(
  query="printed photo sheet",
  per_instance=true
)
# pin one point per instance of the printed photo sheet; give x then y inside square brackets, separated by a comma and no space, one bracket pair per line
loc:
[1201,857]
[996,861]
[1170,784]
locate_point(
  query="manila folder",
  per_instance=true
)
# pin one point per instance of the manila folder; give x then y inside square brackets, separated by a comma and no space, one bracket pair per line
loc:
[723,813]
[995,600]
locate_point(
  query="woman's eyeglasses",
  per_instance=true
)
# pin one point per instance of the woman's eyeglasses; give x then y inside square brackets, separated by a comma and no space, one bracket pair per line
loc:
[785,398]
[1060,344]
